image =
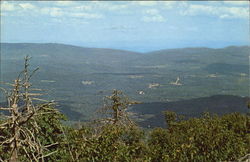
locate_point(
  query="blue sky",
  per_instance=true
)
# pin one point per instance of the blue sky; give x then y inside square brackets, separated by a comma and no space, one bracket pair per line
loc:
[132,25]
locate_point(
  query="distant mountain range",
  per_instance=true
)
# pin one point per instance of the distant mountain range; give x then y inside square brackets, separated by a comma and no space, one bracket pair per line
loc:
[78,77]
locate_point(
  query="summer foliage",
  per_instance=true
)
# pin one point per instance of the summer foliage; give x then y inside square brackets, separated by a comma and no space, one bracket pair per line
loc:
[31,129]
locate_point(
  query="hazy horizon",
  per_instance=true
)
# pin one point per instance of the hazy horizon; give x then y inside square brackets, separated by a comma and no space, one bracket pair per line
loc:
[140,49]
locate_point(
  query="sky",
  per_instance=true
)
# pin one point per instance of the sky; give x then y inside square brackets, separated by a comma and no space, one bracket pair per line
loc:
[141,26]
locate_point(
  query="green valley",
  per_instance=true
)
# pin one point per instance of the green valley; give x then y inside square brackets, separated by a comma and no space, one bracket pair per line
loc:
[78,78]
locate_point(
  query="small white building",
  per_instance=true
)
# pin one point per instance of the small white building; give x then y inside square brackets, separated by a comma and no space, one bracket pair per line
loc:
[177,82]
[141,92]
[153,85]
[87,82]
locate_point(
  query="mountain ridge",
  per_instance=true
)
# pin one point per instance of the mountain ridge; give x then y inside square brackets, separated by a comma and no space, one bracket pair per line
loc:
[66,45]
[154,51]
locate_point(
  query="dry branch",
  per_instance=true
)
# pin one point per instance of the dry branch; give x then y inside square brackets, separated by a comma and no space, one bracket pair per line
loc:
[20,126]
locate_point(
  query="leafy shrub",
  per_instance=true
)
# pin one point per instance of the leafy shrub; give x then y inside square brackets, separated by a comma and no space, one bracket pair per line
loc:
[209,138]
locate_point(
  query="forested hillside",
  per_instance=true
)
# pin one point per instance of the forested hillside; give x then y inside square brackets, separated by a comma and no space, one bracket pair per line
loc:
[151,114]
[78,77]
[32,130]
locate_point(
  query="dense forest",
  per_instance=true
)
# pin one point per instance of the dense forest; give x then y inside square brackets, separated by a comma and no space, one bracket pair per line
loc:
[32,129]
[79,77]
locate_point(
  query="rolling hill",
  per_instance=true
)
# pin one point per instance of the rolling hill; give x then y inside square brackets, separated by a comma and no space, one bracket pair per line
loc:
[151,114]
[78,77]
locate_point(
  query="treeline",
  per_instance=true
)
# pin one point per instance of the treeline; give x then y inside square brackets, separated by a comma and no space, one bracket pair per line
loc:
[31,129]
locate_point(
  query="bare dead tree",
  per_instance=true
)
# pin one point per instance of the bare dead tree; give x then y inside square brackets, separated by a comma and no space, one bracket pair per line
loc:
[19,126]
[115,108]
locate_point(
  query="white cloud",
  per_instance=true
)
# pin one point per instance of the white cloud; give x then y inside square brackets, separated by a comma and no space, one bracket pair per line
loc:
[151,11]
[82,7]
[183,4]
[27,6]
[57,9]
[56,12]
[52,11]
[155,18]
[236,12]
[152,15]
[225,16]
[5,6]
[237,3]
[198,9]
[117,7]
[145,3]
[15,9]
[108,6]
[59,12]
[65,3]
[219,11]
[168,4]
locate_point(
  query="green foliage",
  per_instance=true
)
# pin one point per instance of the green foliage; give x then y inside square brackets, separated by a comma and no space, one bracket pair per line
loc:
[29,130]
[170,117]
[112,143]
[115,108]
[48,131]
[51,131]
[115,138]
[129,71]
[209,138]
